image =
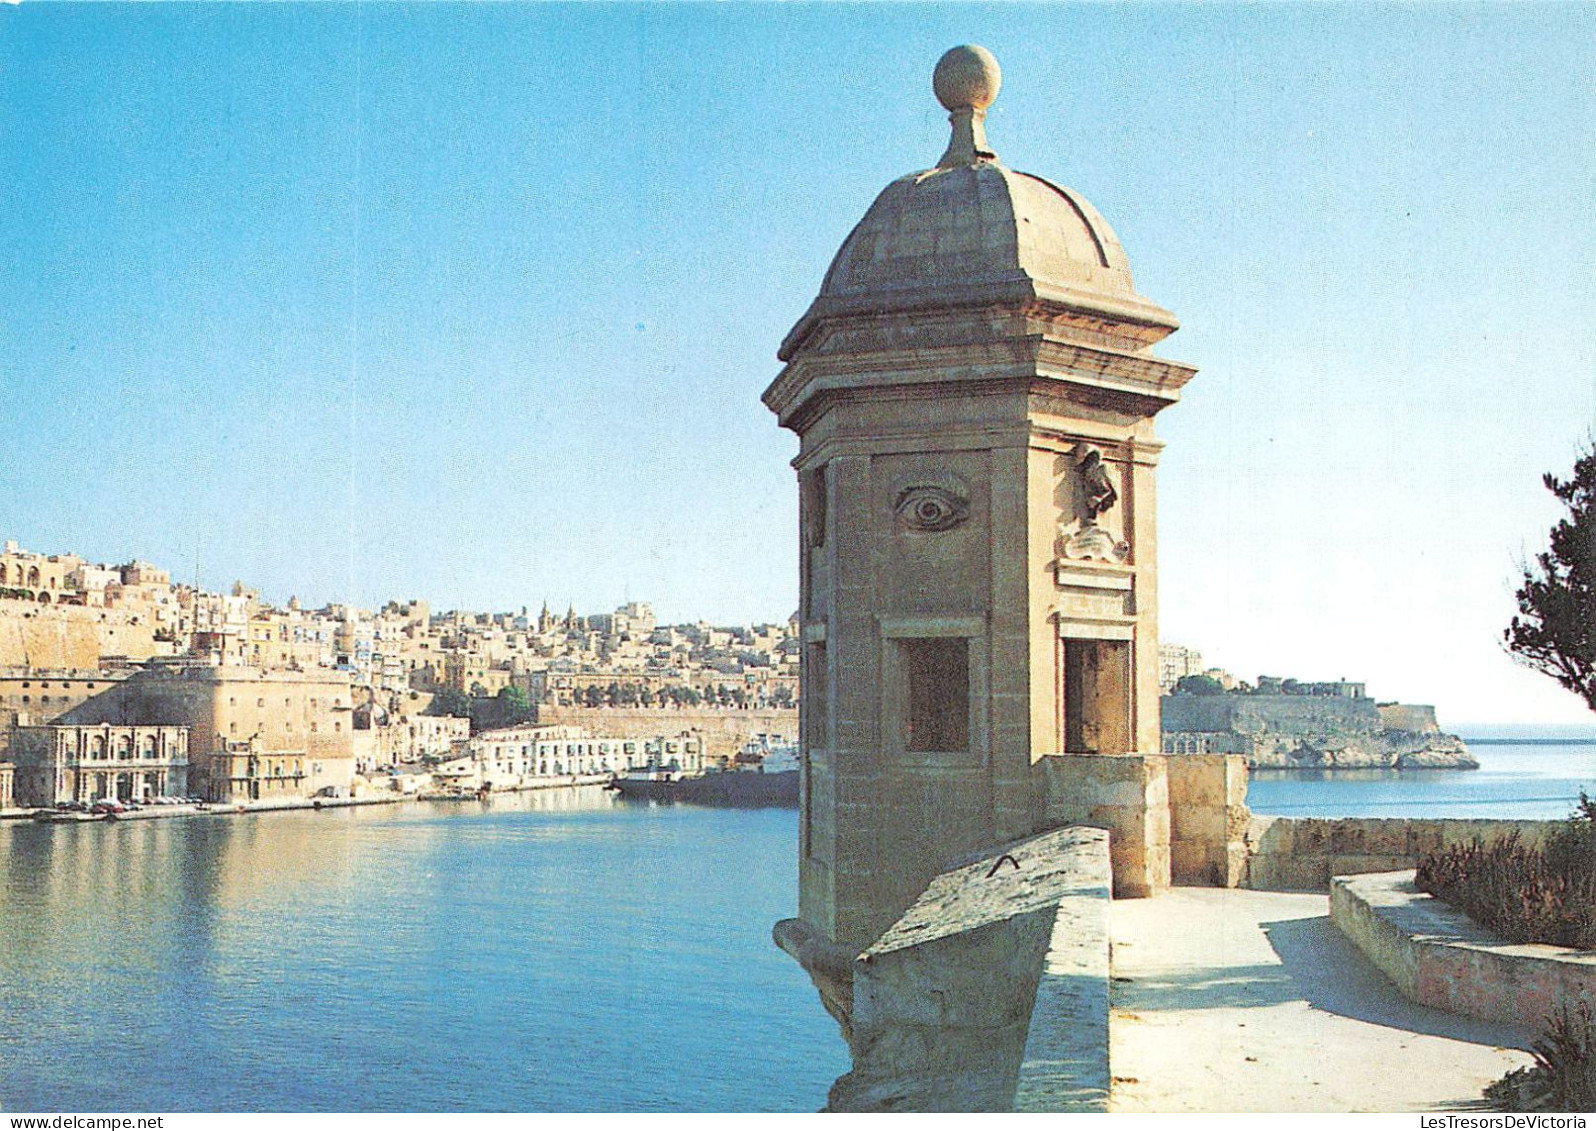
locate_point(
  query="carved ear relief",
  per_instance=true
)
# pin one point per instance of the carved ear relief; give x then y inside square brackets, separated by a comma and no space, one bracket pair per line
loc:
[932,503]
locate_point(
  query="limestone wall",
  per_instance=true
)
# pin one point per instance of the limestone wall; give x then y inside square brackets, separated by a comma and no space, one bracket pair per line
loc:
[73,636]
[1439,957]
[724,731]
[1303,853]
[1208,819]
[1295,714]
[1129,796]
[31,696]
[1418,718]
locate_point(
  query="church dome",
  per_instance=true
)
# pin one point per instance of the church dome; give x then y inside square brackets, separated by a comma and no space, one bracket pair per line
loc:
[972,231]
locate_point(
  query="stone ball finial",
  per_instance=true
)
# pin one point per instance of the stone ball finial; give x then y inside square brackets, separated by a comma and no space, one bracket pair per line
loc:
[967,77]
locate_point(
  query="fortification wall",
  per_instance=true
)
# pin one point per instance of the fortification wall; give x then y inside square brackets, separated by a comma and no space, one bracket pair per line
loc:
[73,636]
[724,731]
[1314,732]
[1439,957]
[1415,717]
[1294,715]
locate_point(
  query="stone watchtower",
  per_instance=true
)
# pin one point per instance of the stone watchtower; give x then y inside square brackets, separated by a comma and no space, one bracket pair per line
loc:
[974,390]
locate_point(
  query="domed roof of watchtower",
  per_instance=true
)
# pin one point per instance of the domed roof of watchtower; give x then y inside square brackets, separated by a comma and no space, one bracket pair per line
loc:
[972,231]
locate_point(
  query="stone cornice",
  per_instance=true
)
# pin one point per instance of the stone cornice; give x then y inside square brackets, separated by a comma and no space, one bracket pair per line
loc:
[1151,322]
[1137,382]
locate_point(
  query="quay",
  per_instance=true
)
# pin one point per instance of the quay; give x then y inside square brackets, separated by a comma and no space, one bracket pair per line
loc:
[295,804]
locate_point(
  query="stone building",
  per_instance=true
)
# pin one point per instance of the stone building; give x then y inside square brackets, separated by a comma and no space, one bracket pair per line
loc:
[42,576]
[31,696]
[7,786]
[253,733]
[974,390]
[89,762]
[471,674]
[254,771]
[409,738]
[516,757]
[1175,663]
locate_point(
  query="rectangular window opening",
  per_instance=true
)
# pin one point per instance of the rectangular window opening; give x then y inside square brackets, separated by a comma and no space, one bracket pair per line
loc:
[1096,680]
[937,708]
[817,692]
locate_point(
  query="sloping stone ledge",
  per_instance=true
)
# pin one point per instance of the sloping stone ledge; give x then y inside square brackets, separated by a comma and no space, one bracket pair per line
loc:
[991,992]
[1439,957]
[1065,1065]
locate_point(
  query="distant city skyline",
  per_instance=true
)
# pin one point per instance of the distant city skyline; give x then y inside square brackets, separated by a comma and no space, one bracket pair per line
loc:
[475,303]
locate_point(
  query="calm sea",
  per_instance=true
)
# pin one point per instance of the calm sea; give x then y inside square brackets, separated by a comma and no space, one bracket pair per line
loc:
[546,952]
[1538,779]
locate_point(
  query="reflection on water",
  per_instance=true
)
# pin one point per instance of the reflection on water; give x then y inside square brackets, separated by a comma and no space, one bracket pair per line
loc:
[542,951]
[1514,781]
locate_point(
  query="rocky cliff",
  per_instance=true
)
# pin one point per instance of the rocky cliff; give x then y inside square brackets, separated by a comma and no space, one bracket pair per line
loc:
[1310,732]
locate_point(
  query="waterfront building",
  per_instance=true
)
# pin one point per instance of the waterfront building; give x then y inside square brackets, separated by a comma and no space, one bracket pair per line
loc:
[382,737]
[254,733]
[410,738]
[514,757]
[89,762]
[251,770]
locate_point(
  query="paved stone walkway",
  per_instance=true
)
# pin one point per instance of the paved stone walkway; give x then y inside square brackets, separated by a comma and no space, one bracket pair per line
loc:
[1253,1001]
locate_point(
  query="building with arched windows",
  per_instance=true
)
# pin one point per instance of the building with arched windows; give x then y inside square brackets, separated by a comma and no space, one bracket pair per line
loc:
[255,734]
[42,576]
[62,763]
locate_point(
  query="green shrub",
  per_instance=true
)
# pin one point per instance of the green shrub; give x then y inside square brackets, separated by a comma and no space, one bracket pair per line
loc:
[1529,895]
[1563,1077]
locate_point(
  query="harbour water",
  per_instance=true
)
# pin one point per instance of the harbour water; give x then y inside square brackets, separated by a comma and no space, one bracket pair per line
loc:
[553,951]
[1537,780]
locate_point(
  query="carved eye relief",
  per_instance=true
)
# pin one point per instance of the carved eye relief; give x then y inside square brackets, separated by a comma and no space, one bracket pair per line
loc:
[931,508]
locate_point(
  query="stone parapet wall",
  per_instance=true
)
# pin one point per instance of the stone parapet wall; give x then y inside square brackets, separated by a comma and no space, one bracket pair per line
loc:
[1208,819]
[1126,794]
[1065,1066]
[1303,853]
[1439,957]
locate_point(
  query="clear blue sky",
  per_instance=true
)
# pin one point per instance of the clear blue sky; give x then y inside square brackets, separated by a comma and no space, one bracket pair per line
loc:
[475,302]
